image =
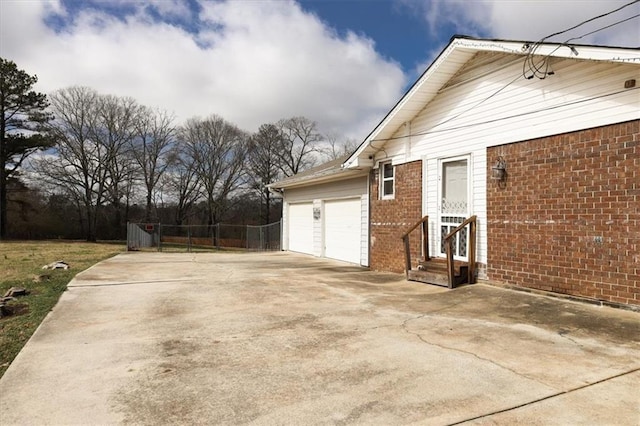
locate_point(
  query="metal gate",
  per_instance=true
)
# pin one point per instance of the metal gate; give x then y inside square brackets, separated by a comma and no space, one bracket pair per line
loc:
[202,237]
[265,237]
[143,235]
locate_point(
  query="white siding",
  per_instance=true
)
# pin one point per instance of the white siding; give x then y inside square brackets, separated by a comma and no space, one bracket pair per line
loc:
[318,195]
[341,189]
[501,108]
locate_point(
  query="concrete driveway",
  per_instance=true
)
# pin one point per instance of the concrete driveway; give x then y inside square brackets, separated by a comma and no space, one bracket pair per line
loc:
[277,338]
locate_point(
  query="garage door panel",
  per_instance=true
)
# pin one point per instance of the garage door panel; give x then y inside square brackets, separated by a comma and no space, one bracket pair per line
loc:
[301,228]
[343,230]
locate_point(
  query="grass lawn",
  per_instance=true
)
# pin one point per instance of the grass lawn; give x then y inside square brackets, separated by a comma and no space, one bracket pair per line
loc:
[21,266]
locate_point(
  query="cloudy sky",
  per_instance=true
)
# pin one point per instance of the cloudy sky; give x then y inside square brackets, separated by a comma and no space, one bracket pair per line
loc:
[342,63]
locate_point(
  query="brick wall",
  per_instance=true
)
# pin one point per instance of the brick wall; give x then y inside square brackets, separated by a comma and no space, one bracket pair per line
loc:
[392,218]
[567,219]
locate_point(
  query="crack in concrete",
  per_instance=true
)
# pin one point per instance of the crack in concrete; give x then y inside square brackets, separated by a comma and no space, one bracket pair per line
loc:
[544,398]
[377,327]
[585,348]
[422,339]
[565,335]
[453,305]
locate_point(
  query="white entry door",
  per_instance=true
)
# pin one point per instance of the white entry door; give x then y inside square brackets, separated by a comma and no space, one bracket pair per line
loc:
[342,230]
[454,207]
[300,229]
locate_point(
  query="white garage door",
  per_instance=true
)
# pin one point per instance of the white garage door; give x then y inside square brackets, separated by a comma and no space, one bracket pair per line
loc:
[342,230]
[301,228]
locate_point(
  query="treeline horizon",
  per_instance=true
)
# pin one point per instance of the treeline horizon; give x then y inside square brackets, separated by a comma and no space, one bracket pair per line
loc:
[79,164]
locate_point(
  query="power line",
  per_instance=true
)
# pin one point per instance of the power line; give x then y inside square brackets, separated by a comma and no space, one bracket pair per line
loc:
[538,72]
[590,20]
[466,126]
[535,69]
[546,72]
[603,28]
[477,104]
[541,68]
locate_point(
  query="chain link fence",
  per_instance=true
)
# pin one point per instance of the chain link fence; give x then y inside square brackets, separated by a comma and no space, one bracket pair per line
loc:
[266,237]
[161,237]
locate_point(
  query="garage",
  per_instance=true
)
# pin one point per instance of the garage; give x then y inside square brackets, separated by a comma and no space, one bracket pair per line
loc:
[325,212]
[301,227]
[342,229]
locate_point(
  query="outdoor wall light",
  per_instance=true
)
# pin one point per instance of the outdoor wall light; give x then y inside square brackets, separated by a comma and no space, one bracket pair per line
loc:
[499,171]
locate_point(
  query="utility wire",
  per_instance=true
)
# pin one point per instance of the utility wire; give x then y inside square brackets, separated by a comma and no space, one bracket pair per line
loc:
[590,20]
[536,69]
[479,102]
[546,65]
[603,28]
[543,74]
[541,69]
[466,126]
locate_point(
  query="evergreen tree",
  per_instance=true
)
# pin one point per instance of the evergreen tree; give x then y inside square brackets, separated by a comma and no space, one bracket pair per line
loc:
[21,126]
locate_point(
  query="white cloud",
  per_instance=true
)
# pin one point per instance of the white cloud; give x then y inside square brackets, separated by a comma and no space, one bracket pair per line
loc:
[526,20]
[172,8]
[250,62]
[532,20]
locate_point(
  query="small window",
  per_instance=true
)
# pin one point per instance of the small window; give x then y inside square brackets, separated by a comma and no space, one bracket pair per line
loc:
[387,179]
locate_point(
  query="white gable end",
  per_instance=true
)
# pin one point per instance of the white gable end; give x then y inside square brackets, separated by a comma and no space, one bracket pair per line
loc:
[479,86]
[503,107]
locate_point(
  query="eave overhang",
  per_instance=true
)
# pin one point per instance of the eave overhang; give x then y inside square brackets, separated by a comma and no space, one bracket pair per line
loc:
[459,51]
[332,171]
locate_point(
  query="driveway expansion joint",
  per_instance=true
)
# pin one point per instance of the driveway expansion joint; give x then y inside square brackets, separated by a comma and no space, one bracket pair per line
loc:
[554,395]
[110,284]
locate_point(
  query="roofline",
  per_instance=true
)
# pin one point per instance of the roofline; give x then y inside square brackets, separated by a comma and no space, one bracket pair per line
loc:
[503,40]
[463,41]
[341,174]
[415,83]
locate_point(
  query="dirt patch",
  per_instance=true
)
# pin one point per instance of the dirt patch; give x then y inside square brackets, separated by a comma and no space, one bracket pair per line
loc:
[14,310]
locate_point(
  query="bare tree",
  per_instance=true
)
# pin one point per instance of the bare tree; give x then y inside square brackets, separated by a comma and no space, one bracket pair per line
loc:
[180,183]
[335,147]
[264,164]
[218,150]
[114,128]
[155,134]
[77,165]
[299,144]
[91,162]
